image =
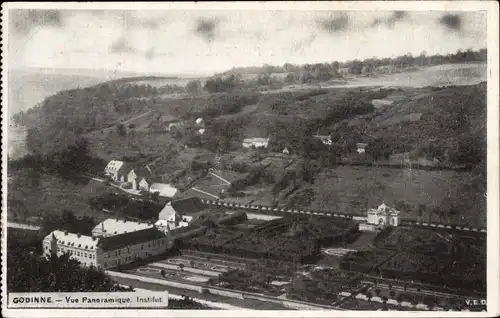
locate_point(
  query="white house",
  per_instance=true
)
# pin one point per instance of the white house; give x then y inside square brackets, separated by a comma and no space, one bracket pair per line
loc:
[199,121]
[255,142]
[327,140]
[112,227]
[383,215]
[361,147]
[286,151]
[106,252]
[116,170]
[139,178]
[169,218]
[163,189]
[144,184]
[132,178]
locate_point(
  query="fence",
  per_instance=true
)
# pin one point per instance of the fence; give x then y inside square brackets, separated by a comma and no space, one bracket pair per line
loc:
[358,217]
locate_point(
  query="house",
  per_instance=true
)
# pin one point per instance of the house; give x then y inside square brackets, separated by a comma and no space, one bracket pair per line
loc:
[132,178]
[286,151]
[255,142]
[173,215]
[326,140]
[112,227]
[144,183]
[361,147]
[201,131]
[108,251]
[140,178]
[116,170]
[199,121]
[163,189]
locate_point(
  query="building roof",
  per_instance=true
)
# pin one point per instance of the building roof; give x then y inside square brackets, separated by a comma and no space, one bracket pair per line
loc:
[74,240]
[188,205]
[165,190]
[167,212]
[251,140]
[180,207]
[114,227]
[384,209]
[115,165]
[111,243]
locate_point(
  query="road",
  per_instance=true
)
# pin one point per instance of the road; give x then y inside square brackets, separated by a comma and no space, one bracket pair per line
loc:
[124,122]
[23,226]
[242,303]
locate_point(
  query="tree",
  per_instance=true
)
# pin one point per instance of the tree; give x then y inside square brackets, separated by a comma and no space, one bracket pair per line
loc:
[421,210]
[193,86]
[181,266]
[120,129]
[290,78]
[356,67]
[163,273]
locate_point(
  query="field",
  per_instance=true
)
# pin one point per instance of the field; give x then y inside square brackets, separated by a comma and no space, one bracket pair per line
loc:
[440,75]
[37,196]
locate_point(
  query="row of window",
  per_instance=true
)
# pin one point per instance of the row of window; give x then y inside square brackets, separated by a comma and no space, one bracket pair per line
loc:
[76,253]
[151,244]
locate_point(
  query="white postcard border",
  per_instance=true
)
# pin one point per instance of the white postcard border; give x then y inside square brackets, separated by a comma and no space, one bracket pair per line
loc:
[493,247]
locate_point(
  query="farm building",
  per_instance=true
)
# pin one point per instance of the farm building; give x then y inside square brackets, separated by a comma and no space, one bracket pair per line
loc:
[140,178]
[116,170]
[172,216]
[255,142]
[361,147]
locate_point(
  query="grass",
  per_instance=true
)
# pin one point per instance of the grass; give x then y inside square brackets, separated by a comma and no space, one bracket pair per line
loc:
[354,189]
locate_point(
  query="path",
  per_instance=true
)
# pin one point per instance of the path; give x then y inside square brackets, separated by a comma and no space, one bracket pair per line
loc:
[129,191]
[209,194]
[220,178]
[123,123]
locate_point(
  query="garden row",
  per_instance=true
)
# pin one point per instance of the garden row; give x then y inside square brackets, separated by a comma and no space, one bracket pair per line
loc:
[421,255]
[288,239]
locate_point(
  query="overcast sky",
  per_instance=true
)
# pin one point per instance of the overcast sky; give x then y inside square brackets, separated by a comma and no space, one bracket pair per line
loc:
[201,42]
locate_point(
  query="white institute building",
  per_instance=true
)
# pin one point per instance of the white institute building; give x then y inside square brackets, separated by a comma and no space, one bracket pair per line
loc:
[380,217]
[108,250]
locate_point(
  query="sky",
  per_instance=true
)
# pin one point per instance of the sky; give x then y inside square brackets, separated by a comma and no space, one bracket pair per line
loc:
[201,42]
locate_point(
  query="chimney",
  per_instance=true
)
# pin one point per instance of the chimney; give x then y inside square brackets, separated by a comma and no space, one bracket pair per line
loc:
[65,232]
[79,235]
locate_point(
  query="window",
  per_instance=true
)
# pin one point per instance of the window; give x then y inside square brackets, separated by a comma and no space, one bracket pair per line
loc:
[46,247]
[77,253]
[86,255]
